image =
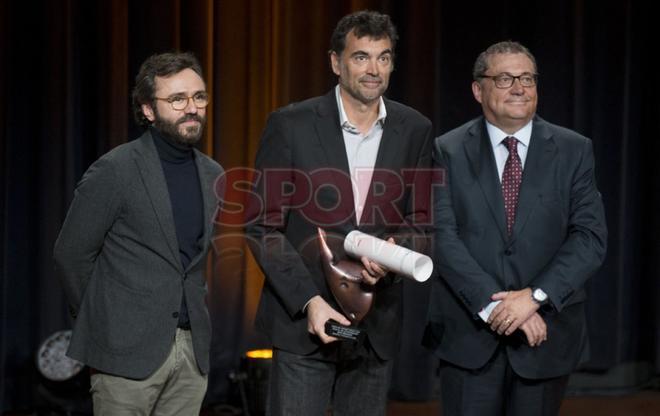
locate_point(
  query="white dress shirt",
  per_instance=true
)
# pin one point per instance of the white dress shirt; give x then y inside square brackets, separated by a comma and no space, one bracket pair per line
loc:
[500,150]
[361,151]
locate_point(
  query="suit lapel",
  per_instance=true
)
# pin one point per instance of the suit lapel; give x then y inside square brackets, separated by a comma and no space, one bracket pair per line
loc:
[480,154]
[332,141]
[388,152]
[207,178]
[153,177]
[542,150]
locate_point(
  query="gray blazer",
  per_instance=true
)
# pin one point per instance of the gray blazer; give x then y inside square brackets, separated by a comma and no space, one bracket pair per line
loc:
[120,266]
[558,242]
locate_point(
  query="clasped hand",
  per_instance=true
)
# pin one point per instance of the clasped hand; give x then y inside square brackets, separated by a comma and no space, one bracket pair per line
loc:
[517,310]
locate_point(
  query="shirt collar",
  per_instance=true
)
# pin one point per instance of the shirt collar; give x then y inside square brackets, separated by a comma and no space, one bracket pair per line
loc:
[343,118]
[496,135]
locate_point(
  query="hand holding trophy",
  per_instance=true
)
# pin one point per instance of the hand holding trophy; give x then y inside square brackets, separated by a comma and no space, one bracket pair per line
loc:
[344,277]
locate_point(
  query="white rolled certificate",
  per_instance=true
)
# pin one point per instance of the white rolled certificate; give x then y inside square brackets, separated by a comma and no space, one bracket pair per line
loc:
[398,259]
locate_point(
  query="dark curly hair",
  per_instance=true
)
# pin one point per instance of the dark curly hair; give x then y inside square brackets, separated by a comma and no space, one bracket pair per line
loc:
[160,65]
[363,23]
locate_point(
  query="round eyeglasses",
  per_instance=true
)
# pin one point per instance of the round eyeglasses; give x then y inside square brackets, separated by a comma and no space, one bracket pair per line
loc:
[180,102]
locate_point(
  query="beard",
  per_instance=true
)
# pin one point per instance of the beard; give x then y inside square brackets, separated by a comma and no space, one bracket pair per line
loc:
[187,136]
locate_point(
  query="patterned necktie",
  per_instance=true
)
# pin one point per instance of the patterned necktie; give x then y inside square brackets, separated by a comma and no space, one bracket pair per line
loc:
[511,178]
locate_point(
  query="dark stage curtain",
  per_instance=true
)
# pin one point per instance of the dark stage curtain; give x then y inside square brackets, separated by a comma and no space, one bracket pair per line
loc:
[67,68]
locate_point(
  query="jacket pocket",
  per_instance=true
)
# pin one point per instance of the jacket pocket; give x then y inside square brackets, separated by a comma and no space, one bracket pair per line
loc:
[119,315]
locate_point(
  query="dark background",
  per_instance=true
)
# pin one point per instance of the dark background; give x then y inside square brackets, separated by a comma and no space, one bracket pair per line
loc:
[67,68]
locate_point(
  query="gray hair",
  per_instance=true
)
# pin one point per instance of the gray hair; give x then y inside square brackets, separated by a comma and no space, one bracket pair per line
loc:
[481,64]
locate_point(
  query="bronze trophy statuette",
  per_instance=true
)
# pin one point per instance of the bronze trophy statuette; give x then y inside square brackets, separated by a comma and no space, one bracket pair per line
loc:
[355,298]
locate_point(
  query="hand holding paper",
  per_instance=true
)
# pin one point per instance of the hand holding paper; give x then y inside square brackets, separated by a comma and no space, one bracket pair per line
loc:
[398,259]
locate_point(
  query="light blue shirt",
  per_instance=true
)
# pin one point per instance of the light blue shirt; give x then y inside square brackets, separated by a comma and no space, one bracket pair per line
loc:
[361,151]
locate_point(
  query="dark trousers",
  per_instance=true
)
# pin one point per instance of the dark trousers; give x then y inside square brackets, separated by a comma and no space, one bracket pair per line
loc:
[307,385]
[496,390]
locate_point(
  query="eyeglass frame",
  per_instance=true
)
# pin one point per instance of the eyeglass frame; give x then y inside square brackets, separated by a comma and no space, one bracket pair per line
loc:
[175,97]
[534,77]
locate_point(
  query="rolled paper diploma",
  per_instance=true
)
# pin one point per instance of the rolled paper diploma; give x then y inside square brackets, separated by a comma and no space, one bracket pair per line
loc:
[398,259]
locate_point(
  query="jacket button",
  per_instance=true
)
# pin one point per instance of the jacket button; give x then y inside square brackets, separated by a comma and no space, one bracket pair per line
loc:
[175,314]
[508,252]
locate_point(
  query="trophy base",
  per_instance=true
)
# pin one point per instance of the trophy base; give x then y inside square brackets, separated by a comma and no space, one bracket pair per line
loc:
[343,332]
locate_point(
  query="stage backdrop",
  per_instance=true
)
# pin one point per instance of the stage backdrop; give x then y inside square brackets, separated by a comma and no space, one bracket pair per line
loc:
[67,68]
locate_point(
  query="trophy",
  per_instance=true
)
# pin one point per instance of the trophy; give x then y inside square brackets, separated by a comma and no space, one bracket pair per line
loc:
[344,277]
[354,297]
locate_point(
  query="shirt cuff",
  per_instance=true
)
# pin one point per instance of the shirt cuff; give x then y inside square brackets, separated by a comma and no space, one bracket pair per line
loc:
[485,312]
[304,308]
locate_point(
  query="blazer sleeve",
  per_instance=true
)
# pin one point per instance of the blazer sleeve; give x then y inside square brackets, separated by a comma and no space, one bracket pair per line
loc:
[583,251]
[456,266]
[91,214]
[267,218]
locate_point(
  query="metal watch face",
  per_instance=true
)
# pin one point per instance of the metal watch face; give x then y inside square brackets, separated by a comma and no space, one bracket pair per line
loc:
[539,295]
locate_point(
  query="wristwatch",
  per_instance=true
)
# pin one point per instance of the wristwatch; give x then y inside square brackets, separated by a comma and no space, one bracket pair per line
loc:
[539,296]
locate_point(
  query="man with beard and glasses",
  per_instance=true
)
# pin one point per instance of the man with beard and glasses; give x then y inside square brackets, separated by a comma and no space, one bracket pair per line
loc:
[355,161]
[132,252]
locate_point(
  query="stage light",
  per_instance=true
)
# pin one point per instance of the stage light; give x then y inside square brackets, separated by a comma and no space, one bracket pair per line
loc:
[52,361]
[259,354]
[252,380]
[64,384]
[257,365]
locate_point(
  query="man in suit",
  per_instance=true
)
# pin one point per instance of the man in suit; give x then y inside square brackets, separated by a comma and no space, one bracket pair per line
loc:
[519,229]
[348,160]
[132,252]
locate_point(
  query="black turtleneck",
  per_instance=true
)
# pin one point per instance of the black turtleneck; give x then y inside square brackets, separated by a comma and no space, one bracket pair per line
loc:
[184,187]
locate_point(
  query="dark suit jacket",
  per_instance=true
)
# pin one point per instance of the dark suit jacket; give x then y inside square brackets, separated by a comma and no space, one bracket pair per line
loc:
[120,265]
[302,144]
[558,242]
